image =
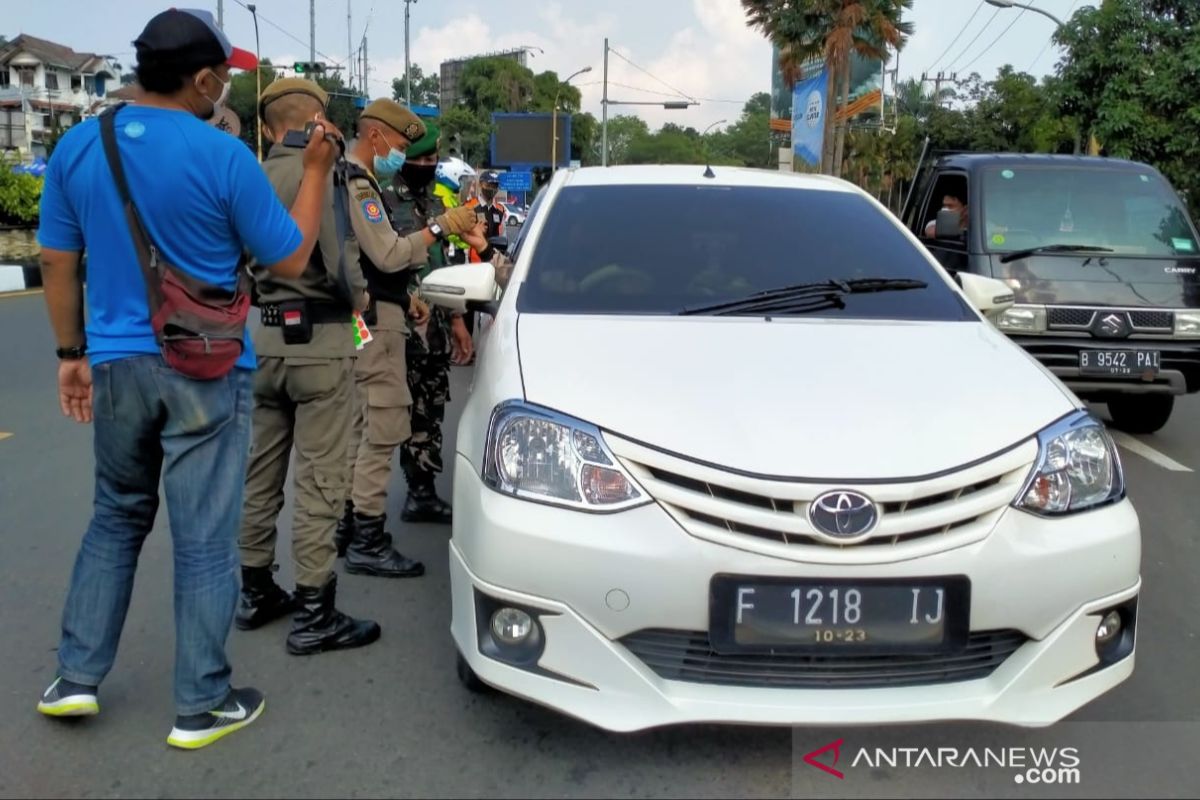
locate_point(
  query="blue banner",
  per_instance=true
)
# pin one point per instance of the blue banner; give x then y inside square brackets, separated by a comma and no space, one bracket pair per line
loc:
[808,118]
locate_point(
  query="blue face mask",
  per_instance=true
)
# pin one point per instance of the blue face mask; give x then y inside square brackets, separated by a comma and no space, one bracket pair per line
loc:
[387,166]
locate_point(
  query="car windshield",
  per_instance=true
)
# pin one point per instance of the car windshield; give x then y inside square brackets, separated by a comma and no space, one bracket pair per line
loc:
[1129,212]
[664,248]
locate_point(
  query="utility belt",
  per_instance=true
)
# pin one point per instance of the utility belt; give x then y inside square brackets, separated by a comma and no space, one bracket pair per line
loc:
[297,317]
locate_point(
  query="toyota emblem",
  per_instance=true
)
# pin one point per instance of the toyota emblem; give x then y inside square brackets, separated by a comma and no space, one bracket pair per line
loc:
[843,514]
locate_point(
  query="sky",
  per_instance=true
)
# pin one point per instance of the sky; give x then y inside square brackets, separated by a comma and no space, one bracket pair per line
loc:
[701,49]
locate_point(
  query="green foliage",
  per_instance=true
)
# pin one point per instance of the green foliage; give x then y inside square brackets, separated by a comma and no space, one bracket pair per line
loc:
[19,196]
[1129,76]
[426,89]
[472,130]
[243,101]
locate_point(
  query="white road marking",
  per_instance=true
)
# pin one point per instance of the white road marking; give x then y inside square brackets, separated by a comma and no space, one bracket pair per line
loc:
[1147,452]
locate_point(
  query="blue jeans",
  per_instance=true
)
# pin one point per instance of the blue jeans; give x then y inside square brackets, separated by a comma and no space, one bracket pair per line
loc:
[151,422]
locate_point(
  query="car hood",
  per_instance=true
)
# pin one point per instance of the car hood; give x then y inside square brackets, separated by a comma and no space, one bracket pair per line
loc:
[799,398]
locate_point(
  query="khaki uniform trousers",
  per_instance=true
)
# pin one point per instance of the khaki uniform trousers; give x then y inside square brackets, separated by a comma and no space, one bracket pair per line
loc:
[305,403]
[383,418]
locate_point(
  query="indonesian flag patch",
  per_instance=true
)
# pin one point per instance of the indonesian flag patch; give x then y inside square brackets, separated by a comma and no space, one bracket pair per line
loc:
[291,318]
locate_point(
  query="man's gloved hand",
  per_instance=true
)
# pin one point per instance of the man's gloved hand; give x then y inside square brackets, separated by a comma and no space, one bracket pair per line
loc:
[457,220]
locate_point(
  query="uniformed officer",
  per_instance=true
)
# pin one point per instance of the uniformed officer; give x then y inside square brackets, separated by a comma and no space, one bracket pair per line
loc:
[489,190]
[385,132]
[303,399]
[413,201]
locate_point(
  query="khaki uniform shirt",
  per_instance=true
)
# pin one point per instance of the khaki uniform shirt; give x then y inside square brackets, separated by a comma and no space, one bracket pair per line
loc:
[379,242]
[320,281]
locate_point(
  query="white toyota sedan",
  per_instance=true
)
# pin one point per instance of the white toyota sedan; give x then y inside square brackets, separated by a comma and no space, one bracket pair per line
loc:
[739,450]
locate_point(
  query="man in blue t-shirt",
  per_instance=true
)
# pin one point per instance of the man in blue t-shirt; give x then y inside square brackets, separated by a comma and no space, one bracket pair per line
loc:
[204,199]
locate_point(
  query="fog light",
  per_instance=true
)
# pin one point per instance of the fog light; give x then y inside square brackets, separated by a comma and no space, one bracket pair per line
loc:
[1109,628]
[511,625]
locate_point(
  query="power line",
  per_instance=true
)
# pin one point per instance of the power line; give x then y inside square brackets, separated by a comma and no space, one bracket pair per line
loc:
[954,38]
[1042,52]
[986,25]
[994,41]
[292,36]
[679,92]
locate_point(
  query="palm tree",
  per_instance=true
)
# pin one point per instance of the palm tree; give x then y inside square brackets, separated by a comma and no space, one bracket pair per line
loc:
[831,30]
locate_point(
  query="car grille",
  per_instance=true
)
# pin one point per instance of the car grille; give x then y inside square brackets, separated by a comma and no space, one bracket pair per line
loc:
[1058,317]
[771,515]
[688,656]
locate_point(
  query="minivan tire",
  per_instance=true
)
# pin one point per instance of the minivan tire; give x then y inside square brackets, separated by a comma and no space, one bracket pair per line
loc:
[467,676]
[1145,413]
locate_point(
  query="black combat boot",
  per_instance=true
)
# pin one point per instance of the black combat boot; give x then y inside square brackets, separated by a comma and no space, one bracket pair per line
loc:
[423,504]
[262,599]
[371,552]
[345,529]
[318,626]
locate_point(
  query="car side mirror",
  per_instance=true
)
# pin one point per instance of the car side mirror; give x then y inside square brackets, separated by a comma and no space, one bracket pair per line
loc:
[990,296]
[500,243]
[948,225]
[462,288]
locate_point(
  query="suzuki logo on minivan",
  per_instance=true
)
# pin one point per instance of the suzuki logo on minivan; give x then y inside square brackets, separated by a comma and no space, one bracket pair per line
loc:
[1111,326]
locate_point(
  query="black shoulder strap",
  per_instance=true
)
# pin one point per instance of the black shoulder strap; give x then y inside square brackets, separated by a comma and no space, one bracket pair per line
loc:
[341,216]
[146,251]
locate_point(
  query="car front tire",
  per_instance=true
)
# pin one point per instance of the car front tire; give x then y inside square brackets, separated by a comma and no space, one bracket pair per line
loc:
[1141,413]
[467,676]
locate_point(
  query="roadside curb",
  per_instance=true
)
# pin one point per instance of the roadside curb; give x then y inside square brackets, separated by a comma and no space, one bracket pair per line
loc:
[17,278]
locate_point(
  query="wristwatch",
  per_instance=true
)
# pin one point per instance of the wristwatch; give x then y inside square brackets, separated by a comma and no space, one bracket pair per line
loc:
[71,353]
[438,232]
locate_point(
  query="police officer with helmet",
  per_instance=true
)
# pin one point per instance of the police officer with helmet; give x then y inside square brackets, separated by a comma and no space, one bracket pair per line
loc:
[303,399]
[386,130]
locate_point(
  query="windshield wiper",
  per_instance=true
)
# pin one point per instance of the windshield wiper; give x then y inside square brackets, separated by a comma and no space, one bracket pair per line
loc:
[804,296]
[1053,248]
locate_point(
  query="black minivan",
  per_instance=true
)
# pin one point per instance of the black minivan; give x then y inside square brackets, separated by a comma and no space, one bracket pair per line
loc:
[1103,261]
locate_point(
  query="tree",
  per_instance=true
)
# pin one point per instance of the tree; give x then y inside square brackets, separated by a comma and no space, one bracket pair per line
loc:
[623,131]
[426,89]
[496,84]
[585,139]
[831,30]
[1129,78]
[243,101]
[746,142]
[473,132]
[546,86]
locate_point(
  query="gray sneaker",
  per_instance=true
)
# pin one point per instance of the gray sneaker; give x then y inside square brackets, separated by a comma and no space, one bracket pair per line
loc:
[67,699]
[193,731]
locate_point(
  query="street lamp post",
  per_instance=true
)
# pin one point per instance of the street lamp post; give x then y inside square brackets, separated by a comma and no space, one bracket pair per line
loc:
[554,118]
[1012,4]
[407,65]
[253,9]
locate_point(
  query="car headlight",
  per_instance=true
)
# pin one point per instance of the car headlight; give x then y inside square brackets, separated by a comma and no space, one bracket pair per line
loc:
[541,455]
[1022,319]
[1187,324]
[1077,468]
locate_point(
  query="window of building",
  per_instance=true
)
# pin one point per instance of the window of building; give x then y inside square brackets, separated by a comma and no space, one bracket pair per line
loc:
[51,80]
[5,78]
[76,83]
[26,77]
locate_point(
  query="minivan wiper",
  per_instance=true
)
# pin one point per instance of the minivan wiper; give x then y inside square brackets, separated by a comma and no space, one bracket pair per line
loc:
[805,296]
[1053,248]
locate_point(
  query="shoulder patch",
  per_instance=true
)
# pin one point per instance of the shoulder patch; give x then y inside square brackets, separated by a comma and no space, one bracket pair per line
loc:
[372,210]
[365,194]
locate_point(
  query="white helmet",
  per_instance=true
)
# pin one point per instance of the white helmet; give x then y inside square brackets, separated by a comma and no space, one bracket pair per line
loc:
[453,171]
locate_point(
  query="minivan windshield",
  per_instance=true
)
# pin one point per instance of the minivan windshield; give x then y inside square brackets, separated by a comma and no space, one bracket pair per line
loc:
[667,249]
[1128,212]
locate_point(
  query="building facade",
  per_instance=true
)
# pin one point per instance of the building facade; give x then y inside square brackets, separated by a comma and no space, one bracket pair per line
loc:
[451,74]
[46,87]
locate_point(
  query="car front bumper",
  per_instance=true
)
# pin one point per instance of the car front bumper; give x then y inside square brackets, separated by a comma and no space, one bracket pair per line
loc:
[594,579]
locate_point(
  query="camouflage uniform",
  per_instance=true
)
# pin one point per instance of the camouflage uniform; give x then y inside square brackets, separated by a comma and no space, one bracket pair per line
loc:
[428,346]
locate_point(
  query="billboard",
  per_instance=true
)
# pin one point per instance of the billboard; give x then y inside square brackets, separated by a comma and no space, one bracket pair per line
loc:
[524,141]
[808,118]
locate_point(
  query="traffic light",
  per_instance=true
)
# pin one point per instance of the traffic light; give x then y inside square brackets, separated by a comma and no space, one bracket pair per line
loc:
[308,67]
[455,146]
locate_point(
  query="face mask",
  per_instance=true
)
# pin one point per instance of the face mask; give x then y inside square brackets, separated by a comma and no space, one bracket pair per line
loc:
[417,176]
[389,165]
[219,103]
[489,194]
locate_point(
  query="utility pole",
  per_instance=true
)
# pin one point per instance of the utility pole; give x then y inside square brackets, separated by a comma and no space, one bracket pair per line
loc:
[366,70]
[349,49]
[937,82]
[312,30]
[221,14]
[407,63]
[604,111]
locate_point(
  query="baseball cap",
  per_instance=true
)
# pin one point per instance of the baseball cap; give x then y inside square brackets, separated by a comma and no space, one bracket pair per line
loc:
[189,37]
[489,177]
